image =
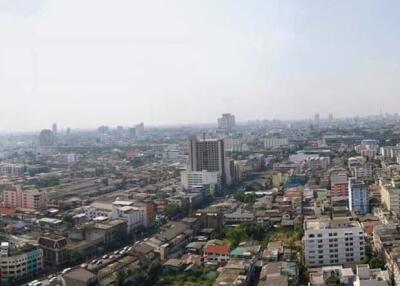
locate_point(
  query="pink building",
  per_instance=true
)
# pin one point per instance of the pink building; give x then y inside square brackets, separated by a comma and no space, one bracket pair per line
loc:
[15,197]
[339,183]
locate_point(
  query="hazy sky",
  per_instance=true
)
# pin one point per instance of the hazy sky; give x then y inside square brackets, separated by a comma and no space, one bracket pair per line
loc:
[83,63]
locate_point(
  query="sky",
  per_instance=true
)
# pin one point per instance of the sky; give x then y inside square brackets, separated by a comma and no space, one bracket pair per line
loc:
[85,63]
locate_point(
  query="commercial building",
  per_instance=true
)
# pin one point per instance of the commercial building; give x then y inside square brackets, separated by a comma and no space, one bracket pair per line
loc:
[358,196]
[207,154]
[333,242]
[190,179]
[18,263]
[227,122]
[46,138]
[272,142]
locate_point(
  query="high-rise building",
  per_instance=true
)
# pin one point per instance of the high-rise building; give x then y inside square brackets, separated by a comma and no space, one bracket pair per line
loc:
[358,196]
[207,154]
[227,122]
[316,118]
[333,242]
[46,138]
[139,129]
[330,118]
[339,183]
[54,129]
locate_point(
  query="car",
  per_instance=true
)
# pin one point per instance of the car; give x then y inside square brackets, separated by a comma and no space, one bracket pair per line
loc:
[53,280]
[33,282]
[66,270]
[50,276]
[105,256]
[84,265]
[116,252]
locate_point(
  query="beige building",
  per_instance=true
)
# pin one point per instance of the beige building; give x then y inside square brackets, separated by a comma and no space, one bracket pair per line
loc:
[390,195]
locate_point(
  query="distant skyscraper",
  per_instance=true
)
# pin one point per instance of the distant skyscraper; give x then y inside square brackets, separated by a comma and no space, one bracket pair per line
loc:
[103,129]
[46,138]
[140,129]
[227,122]
[330,117]
[54,129]
[68,131]
[316,118]
[207,154]
[132,132]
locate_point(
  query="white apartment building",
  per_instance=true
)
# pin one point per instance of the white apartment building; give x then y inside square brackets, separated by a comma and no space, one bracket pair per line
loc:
[333,242]
[190,179]
[135,216]
[272,142]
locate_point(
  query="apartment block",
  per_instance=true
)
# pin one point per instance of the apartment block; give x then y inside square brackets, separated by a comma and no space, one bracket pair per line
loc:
[358,196]
[333,242]
[18,263]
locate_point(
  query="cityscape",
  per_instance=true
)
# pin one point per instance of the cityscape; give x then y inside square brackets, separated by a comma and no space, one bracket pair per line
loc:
[270,202]
[199,143]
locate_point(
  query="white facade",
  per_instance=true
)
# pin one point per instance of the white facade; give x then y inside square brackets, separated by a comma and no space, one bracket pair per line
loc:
[333,242]
[134,216]
[272,142]
[191,179]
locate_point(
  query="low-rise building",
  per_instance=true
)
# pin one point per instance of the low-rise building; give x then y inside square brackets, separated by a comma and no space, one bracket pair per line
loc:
[216,254]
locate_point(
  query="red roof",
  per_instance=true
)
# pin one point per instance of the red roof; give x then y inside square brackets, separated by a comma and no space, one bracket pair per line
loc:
[217,249]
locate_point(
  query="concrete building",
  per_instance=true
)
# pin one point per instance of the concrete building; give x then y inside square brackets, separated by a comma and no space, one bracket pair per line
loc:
[12,170]
[46,138]
[339,183]
[358,196]
[134,213]
[333,242]
[18,263]
[216,254]
[190,179]
[390,195]
[139,130]
[207,154]
[55,252]
[227,122]
[272,142]
[16,197]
